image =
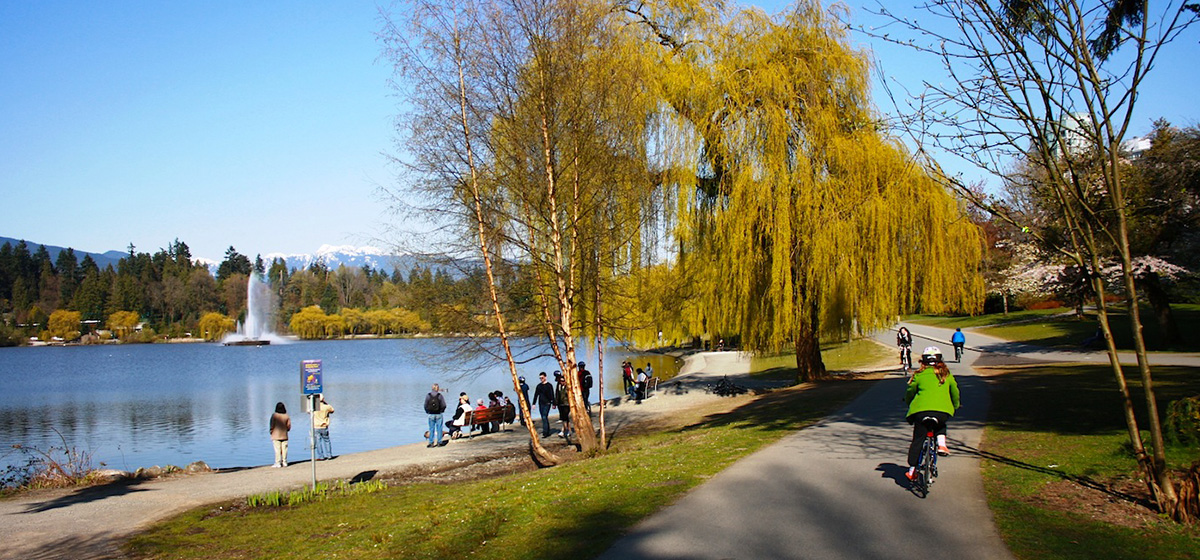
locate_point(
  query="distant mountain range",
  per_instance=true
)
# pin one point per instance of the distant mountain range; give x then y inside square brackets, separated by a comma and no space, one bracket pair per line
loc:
[102,259]
[332,255]
[352,257]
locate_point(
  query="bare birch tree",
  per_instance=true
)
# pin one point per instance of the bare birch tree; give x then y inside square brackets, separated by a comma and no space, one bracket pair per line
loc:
[1054,84]
[441,49]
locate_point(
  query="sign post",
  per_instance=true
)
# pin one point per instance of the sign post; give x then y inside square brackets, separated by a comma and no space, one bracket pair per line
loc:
[311,387]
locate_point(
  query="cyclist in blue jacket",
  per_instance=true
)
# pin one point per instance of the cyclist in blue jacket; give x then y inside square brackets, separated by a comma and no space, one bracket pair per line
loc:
[958,340]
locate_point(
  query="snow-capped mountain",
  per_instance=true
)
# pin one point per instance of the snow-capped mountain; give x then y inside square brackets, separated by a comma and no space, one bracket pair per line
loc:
[351,256]
[336,255]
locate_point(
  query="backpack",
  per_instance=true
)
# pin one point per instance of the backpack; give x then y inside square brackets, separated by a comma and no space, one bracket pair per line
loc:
[434,404]
[587,379]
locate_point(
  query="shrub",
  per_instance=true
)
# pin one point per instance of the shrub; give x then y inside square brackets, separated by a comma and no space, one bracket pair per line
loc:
[1183,421]
[1045,304]
[55,467]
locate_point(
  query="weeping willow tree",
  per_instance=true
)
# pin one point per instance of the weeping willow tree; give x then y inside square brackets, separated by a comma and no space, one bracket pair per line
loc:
[799,219]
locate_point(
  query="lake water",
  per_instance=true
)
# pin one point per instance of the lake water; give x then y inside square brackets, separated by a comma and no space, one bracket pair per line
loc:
[140,405]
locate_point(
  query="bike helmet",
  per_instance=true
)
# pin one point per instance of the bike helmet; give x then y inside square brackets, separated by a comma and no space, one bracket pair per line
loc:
[931,355]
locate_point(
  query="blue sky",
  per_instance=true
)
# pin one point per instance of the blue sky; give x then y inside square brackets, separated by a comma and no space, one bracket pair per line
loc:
[255,124]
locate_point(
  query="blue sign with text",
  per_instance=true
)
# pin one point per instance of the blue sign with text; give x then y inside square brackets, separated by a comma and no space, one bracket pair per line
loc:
[310,377]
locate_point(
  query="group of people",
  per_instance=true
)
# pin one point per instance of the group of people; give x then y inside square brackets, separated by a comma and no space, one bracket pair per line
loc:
[435,408]
[635,383]
[280,424]
[547,396]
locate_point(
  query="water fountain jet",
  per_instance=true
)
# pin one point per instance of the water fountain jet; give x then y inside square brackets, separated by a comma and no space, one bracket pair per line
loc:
[256,331]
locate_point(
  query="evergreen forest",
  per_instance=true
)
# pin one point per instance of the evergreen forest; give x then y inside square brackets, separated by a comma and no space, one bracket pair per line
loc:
[167,294]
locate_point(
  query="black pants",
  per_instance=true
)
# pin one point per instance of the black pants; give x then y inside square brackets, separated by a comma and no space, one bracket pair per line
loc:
[919,431]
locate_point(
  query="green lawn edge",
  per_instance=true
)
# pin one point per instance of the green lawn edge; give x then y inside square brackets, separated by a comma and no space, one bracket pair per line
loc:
[1061,328]
[1050,424]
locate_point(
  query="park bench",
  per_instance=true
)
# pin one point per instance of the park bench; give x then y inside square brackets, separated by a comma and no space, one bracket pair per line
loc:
[498,414]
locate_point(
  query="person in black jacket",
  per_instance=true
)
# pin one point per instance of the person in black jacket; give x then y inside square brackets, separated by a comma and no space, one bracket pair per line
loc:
[543,396]
[562,397]
[435,405]
[525,393]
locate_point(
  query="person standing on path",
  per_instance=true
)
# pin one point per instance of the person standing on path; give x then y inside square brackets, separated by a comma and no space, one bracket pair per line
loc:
[321,423]
[640,391]
[524,393]
[543,396]
[958,339]
[585,384]
[562,398]
[281,424]
[932,392]
[435,405]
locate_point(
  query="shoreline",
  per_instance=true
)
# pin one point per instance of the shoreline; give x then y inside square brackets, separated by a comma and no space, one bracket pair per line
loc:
[101,517]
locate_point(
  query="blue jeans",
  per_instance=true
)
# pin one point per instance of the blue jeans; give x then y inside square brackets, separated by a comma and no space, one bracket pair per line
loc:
[435,429]
[324,448]
[544,409]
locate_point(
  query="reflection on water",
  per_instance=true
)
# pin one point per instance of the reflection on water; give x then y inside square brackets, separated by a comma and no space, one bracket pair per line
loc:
[142,405]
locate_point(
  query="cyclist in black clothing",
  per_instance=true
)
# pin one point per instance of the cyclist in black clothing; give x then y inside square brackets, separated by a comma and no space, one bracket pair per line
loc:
[904,341]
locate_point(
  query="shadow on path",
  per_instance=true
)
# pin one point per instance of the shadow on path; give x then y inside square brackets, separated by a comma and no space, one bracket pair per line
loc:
[89,494]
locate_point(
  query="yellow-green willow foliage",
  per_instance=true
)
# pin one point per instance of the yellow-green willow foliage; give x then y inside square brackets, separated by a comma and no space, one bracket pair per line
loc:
[213,326]
[800,219]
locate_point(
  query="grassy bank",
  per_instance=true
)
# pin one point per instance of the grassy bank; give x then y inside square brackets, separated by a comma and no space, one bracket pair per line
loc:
[838,357]
[1050,329]
[1059,474]
[574,510]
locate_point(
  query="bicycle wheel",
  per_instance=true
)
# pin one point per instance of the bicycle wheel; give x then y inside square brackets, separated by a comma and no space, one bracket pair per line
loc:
[928,467]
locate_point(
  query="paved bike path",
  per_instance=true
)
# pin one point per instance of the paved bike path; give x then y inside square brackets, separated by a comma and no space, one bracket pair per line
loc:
[837,490]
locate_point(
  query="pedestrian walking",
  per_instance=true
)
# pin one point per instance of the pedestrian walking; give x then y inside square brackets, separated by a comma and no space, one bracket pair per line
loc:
[435,405]
[281,424]
[321,423]
[543,396]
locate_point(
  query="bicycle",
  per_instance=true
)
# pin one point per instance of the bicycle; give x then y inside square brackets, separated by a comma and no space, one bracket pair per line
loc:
[725,388]
[906,357]
[958,350]
[927,467]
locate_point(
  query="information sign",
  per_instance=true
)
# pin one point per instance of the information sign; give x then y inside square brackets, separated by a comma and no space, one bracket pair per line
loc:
[310,377]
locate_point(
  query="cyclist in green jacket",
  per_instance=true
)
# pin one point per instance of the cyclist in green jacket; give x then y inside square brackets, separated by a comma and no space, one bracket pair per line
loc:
[932,392]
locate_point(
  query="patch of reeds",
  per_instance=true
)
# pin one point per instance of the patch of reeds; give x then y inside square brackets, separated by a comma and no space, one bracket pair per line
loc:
[55,467]
[322,491]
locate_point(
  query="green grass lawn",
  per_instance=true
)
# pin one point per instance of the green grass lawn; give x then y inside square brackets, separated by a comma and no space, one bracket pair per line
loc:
[570,511]
[838,357]
[1043,329]
[974,321]
[1055,443]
